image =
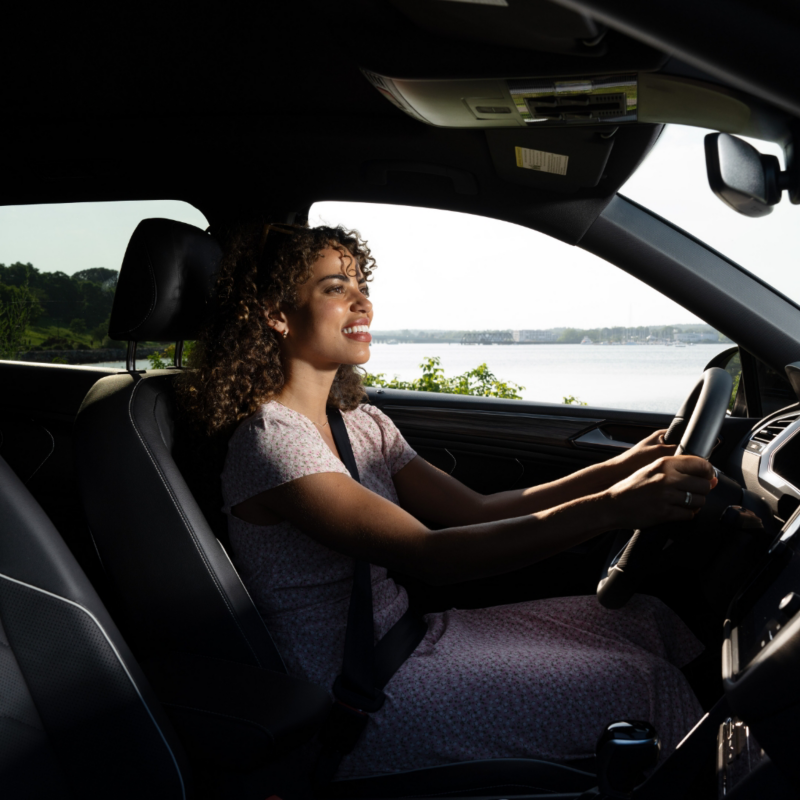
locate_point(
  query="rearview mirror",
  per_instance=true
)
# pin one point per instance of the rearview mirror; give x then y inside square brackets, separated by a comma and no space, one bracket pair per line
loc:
[741,177]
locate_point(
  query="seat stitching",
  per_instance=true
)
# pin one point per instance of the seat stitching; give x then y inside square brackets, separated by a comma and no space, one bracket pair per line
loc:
[186,522]
[255,724]
[42,462]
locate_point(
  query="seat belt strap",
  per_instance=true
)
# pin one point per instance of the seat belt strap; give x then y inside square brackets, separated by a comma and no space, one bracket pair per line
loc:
[355,685]
[366,667]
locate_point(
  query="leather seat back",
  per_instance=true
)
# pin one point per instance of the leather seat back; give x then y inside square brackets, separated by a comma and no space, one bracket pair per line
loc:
[176,584]
[77,717]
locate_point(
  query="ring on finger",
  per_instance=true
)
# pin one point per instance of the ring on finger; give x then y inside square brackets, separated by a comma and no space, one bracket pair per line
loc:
[688,500]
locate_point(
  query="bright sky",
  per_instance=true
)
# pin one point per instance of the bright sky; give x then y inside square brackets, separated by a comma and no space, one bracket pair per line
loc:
[75,236]
[439,269]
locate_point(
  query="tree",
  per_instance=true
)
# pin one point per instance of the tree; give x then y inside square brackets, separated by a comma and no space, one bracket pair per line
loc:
[17,307]
[571,336]
[78,325]
[107,278]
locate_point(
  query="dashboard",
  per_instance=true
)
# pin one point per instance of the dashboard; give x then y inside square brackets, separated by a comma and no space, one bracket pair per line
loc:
[770,462]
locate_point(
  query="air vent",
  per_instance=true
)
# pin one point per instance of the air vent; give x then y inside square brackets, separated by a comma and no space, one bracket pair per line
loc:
[761,438]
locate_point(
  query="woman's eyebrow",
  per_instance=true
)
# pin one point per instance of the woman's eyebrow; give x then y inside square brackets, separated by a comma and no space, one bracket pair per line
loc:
[339,277]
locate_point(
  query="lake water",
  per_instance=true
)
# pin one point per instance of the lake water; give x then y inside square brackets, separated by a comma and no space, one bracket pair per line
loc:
[643,377]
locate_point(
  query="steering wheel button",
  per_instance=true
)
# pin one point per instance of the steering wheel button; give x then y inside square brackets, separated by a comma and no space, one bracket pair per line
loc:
[790,604]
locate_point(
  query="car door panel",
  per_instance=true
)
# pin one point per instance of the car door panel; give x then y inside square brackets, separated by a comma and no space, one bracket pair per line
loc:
[494,445]
[488,442]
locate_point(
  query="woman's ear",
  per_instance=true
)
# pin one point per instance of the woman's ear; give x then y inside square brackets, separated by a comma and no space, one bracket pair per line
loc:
[277,321]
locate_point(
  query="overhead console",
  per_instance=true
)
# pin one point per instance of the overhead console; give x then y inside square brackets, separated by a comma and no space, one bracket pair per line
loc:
[611,100]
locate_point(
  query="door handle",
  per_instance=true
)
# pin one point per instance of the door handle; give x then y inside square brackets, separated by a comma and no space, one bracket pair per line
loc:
[596,438]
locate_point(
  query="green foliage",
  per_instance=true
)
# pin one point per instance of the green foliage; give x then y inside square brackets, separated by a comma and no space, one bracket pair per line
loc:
[78,325]
[87,294]
[734,369]
[570,400]
[18,305]
[479,382]
[571,336]
[735,390]
[166,358]
[107,278]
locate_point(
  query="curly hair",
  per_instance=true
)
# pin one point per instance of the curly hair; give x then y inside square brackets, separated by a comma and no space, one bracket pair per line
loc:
[236,361]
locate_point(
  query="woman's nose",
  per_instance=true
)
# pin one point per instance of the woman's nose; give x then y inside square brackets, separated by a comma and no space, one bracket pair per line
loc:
[361,301]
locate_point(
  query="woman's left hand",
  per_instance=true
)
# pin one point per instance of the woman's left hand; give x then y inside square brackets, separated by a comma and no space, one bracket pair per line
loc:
[642,454]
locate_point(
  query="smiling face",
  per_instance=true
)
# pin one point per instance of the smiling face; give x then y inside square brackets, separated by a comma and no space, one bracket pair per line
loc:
[330,323]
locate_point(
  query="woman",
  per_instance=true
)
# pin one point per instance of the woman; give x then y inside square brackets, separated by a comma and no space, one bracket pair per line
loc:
[535,679]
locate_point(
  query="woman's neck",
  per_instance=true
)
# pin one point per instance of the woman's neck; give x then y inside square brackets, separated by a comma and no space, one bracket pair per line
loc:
[307,393]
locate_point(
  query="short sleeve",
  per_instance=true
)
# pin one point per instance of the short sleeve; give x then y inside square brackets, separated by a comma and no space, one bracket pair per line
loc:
[272,448]
[397,452]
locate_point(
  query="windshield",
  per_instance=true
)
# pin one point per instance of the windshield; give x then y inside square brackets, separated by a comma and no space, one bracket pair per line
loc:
[672,182]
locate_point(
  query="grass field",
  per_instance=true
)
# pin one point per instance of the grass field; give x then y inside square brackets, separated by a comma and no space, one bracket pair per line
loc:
[38,334]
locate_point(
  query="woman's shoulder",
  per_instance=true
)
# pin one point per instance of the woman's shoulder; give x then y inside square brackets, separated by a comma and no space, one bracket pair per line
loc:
[272,424]
[381,432]
[276,445]
[368,416]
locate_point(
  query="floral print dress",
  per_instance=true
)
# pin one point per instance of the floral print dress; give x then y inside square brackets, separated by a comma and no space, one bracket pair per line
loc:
[539,679]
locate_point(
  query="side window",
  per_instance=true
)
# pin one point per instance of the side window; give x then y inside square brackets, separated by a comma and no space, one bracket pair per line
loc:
[58,271]
[472,305]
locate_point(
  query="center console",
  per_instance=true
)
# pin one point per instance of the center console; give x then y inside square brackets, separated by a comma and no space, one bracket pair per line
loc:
[761,674]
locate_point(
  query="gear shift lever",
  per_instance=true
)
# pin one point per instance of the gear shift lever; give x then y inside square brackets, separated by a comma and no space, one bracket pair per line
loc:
[625,751]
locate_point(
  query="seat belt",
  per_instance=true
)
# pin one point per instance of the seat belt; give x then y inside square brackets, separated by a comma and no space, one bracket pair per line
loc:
[366,667]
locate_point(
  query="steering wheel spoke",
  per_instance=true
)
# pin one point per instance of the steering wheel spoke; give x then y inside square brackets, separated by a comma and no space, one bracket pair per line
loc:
[695,429]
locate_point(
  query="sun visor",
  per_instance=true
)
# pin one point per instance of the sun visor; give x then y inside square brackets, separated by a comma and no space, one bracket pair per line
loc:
[551,159]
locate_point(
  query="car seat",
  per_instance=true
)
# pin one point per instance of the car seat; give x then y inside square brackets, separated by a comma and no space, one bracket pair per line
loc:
[182,598]
[77,716]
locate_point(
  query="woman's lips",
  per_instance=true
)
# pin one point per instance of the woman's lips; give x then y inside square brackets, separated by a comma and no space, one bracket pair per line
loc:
[359,337]
[358,331]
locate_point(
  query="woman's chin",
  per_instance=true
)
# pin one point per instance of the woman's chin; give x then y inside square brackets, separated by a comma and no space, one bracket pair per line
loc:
[356,359]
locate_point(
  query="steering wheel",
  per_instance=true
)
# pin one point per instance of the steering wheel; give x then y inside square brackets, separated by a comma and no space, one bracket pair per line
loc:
[696,427]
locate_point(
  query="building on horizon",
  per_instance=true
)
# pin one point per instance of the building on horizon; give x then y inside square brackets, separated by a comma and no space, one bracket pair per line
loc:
[536,336]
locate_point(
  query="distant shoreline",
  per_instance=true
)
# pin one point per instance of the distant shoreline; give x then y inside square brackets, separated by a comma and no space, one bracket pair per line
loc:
[525,344]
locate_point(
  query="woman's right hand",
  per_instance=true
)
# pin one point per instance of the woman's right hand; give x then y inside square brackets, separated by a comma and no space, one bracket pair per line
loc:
[658,492]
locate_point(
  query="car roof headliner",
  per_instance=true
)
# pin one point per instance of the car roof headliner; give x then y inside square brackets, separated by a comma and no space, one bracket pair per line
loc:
[237,108]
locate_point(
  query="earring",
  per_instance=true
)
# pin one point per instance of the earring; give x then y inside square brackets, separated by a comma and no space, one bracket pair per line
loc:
[285,333]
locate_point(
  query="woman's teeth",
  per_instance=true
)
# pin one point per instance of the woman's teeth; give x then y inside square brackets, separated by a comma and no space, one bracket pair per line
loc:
[357,329]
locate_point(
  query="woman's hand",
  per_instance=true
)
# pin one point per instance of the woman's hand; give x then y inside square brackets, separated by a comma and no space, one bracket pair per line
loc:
[641,454]
[659,492]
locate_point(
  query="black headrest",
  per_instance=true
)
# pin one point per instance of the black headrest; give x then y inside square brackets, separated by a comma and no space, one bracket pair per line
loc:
[165,284]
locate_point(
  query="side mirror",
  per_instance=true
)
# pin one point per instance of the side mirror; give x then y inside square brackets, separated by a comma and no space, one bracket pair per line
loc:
[731,362]
[741,177]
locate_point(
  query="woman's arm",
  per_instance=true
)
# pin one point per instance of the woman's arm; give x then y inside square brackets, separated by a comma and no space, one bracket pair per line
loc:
[343,515]
[433,495]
